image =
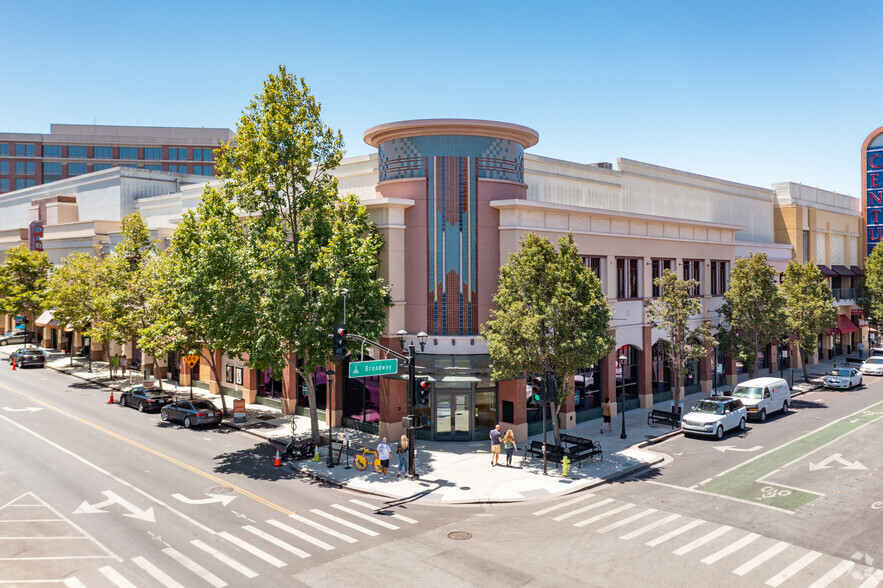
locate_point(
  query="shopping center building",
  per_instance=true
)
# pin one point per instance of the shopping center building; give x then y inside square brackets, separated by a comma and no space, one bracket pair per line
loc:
[452,198]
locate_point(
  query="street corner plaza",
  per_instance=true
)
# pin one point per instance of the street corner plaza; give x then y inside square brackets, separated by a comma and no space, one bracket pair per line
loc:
[838,459]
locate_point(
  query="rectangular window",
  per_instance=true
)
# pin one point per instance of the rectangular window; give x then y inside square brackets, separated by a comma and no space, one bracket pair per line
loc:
[805,246]
[131,165]
[693,271]
[128,153]
[25,168]
[593,262]
[4,148]
[720,271]
[4,184]
[4,167]
[103,152]
[178,153]
[202,154]
[101,166]
[658,269]
[76,169]
[628,277]
[51,150]
[77,151]
[23,150]
[154,153]
[180,169]
[51,169]
[21,183]
[153,167]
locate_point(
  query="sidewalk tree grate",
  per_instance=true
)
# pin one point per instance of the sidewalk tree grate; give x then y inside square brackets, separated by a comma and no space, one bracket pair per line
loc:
[459,535]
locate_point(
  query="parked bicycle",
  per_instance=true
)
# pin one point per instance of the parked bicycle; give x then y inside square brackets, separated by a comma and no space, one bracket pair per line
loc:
[361,460]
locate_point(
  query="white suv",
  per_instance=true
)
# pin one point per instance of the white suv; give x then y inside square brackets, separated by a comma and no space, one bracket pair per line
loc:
[714,416]
[873,366]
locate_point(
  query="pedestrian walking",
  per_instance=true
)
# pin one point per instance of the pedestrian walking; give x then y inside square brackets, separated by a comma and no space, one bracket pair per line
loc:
[861,349]
[605,411]
[124,364]
[509,446]
[383,453]
[114,364]
[402,452]
[496,439]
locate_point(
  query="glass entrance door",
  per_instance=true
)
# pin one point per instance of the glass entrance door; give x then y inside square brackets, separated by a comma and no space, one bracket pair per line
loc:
[453,416]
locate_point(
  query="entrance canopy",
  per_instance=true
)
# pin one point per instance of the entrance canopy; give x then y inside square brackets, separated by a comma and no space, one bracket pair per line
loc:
[844,325]
[47,319]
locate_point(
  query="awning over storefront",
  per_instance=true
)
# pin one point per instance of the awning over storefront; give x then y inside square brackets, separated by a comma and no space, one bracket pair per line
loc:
[47,319]
[856,270]
[844,325]
[827,272]
[842,270]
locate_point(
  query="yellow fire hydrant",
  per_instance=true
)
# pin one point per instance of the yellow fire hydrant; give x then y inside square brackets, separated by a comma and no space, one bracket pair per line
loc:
[565,466]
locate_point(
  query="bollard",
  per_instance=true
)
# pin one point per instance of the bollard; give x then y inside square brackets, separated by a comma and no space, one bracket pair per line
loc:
[565,466]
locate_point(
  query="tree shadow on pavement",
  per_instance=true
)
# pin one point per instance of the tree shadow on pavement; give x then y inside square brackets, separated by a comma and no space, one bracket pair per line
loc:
[254,462]
[87,385]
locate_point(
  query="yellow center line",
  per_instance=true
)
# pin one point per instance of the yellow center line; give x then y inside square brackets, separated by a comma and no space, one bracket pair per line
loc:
[150,450]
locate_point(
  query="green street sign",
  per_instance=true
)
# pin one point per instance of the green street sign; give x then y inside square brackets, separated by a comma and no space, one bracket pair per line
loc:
[360,369]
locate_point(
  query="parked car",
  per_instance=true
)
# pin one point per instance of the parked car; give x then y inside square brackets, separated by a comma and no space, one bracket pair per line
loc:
[762,396]
[843,378]
[873,366]
[25,356]
[17,336]
[145,398]
[714,416]
[191,413]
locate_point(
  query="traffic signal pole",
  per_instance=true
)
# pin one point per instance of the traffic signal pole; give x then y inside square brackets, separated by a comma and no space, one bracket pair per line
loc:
[412,410]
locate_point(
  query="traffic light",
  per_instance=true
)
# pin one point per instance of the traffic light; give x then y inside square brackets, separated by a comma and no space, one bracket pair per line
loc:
[338,344]
[423,393]
[539,389]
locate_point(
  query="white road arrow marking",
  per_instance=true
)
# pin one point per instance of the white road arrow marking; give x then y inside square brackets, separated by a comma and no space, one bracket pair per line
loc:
[725,448]
[28,409]
[224,499]
[847,465]
[113,498]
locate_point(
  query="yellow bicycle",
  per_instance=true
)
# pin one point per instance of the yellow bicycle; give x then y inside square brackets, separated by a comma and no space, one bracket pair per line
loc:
[361,460]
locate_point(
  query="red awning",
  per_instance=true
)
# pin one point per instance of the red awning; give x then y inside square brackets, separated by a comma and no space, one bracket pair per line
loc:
[844,325]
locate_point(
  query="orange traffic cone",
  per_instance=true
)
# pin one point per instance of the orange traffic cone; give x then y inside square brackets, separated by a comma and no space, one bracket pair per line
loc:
[278,461]
[111,398]
[13,364]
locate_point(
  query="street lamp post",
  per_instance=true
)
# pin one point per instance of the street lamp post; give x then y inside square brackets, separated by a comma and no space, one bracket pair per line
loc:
[713,369]
[622,360]
[330,377]
[412,395]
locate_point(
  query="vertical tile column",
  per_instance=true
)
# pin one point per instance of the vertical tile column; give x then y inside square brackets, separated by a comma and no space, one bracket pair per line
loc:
[289,388]
[645,369]
[514,391]
[567,414]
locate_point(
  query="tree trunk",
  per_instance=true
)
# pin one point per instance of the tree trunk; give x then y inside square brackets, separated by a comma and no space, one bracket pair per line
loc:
[555,433]
[311,398]
[805,374]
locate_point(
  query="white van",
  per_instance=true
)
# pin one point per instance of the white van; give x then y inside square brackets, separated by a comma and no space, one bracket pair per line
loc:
[762,396]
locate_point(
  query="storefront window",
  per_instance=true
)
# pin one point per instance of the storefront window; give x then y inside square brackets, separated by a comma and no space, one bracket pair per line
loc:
[627,372]
[587,388]
[660,368]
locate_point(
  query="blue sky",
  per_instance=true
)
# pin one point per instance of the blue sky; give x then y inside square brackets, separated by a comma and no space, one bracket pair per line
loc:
[753,92]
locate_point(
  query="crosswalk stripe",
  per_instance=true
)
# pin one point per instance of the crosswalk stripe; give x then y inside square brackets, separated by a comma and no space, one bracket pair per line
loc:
[74,583]
[194,567]
[394,515]
[322,528]
[793,568]
[368,518]
[540,513]
[225,559]
[650,527]
[834,573]
[115,577]
[344,522]
[162,577]
[730,549]
[627,520]
[603,515]
[873,580]
[567,515]
[702,540]
[760,558]
[276,541]
[675,533]
[246,546]
[301,534]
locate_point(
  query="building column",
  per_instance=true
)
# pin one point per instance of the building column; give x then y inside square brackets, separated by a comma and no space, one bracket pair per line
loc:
[214,386]
[730,371]
[334,395]
[289,388]
[249,384]
[706,369]
[393,407]
[645,369]
[514,392]
[567,413]
[774,359]
[608,381]
[186,375]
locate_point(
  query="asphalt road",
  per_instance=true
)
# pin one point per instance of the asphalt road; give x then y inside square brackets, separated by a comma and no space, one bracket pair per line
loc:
[94,494]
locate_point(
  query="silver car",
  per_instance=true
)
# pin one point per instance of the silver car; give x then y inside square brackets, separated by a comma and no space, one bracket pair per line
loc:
[714,416]
[873,366]
[843,378]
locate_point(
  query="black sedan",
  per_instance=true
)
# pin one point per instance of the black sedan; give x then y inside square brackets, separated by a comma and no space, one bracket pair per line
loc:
[192,413]
[26,356]
[145,398]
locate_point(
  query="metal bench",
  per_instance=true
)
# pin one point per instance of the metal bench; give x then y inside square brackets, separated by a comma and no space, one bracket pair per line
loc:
[672,418]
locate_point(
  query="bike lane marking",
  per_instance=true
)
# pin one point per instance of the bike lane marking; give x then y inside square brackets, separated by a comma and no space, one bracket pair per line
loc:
[745,481]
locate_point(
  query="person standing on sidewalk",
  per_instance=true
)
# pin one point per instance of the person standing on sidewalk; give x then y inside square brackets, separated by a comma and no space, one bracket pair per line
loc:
[509,446]
[402,452]
[124,364]
[861,349]
[496,439]
[383,453]
[114,364]
[605,411]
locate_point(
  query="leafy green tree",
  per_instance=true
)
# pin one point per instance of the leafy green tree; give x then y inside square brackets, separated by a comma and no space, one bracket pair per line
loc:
[672,313]
[307,243]
[873,286]
[551,316]
[809,306]
[753,310]
[24,277]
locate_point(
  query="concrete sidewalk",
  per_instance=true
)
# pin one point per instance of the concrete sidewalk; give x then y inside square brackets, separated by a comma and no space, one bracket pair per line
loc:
[451,473]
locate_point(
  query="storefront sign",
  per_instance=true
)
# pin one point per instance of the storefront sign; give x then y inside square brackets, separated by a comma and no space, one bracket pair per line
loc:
[360,369]
[35,235]
[874,193]
[857,312]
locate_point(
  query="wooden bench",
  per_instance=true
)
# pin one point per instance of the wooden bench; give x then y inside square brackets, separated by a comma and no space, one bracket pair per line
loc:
[587,450]
[672,418]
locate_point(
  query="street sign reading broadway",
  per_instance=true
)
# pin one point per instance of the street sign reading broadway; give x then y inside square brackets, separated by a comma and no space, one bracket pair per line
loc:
[360,369]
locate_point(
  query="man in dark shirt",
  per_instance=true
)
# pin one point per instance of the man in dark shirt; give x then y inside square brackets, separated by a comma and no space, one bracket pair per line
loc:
[496,440]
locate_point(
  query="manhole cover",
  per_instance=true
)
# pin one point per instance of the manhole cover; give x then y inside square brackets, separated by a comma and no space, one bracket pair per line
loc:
[459,535]
[222,490]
